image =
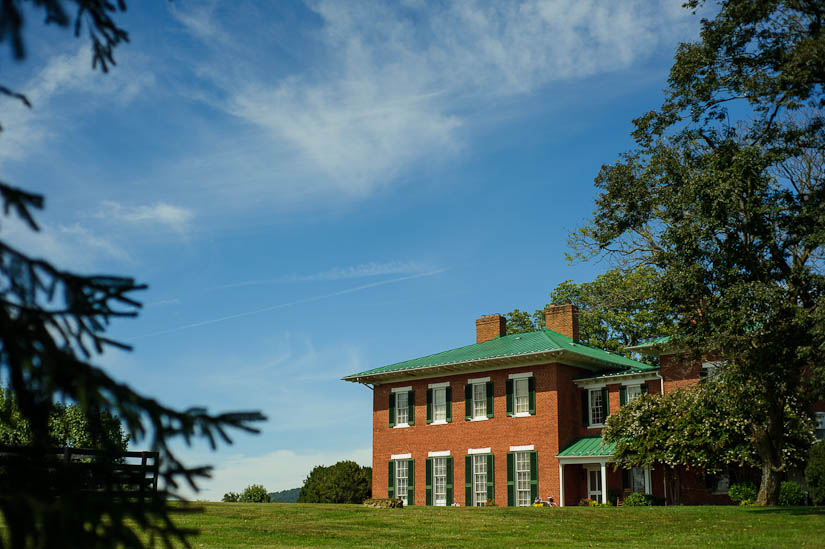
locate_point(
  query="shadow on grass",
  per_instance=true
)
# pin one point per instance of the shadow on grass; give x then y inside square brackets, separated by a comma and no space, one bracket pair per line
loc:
[787,510]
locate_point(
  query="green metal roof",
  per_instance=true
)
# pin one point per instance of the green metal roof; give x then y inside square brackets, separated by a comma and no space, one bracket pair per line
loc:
[650,344]
[514,345]
[588,446]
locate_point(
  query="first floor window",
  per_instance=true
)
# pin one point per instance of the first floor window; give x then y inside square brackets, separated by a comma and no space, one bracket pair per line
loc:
[440,404]
[820,426]
[401,472]
[479,400]
[479,480]
[597,407]
[637,480]
[402,408]
[521,390]
[718,483]
[440,481]
[523,479]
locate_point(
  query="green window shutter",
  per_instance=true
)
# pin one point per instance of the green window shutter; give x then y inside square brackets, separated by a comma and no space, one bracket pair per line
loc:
[585,408]
[468,481]
[429,406]
[606,400]
[392,409]
[511,479]
[534,476]
[490,399]
[391,479]
[411,482]
[449,481]
[428,499]
[491,477]
[644,387]
[411,408]
[531,387]
[626,479]
[468,402]
[509,397]
[449,398]
[622,395]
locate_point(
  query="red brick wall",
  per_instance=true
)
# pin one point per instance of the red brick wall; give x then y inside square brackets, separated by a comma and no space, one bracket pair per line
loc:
[499,433]
[678,371]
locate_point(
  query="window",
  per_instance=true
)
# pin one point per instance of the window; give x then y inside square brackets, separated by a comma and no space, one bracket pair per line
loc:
[479,400]
[440,481]
[401,477]
[717,483]
[402,408]
[597,407]
[709,370]
[479,480]
[521,394]
[819,428]
[523,479]
[440,404]
[633,392]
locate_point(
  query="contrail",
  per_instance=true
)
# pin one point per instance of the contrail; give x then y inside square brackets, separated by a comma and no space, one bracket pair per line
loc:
[288,304]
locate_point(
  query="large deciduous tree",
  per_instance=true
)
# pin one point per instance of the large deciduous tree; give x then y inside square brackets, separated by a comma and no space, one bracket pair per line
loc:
[52,326]
[725,196]
[344,482]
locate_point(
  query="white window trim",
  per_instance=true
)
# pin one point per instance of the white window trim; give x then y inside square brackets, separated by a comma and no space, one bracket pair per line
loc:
[521,375]
[590,411]
[478,380]
[474,451]
[401,456]
[401,389]
[438,385]
[522,414]
[480,418]
[439,422]
[528,448]
[401,426]
[473,390]
[439,454]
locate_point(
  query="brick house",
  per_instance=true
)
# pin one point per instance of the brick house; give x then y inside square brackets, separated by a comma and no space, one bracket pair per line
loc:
[516,417]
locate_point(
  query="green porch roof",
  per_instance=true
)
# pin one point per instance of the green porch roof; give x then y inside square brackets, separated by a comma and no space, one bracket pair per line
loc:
[648,345]
[524,345]
[588,446]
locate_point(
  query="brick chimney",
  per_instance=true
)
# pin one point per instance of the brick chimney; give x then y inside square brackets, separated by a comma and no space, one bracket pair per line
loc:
[563,319]
[490,327]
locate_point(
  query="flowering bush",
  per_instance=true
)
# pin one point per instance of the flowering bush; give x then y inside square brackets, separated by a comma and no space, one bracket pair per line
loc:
[743,493]
[491,503]
[587,502]
[638,500]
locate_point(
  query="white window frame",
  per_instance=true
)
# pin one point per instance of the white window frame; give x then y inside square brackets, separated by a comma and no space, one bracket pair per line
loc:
[402,480]
[819,425]
[522,480]
[479,402]
[479,480]
[442,411]
[645,479]
[398,396]
[440,481]
[632,392]
[518,397]
[591,408]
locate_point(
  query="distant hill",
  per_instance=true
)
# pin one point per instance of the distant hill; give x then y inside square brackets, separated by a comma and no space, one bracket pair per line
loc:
[285,496]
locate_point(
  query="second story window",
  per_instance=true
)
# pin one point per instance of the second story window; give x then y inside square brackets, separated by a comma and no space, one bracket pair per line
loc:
[402,407]
[439,403]
[402,403]
[478,399]
[595,407]
[521,395]
[819,427]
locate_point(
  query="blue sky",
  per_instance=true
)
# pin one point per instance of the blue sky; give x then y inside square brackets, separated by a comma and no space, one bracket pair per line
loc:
[313,189]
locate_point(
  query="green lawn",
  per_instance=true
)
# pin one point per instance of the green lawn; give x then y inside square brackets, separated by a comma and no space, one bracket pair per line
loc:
[278,525]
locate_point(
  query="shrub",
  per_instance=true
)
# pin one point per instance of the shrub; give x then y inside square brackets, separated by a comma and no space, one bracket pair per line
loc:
[815,473]
[613,496]
[790,493]
[231,497]
[344,482]
[254,494]
[384,503]
[638,500]
[743,493]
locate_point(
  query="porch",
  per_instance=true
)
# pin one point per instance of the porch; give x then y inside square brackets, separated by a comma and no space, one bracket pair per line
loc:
[584,472]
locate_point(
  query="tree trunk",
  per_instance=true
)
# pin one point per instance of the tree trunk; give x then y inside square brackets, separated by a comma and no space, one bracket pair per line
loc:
[768,439]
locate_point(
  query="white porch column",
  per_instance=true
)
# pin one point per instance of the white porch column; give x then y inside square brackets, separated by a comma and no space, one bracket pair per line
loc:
[604,481]
[561,484]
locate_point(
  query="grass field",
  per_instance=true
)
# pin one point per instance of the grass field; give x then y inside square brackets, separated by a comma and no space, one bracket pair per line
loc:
[279,525]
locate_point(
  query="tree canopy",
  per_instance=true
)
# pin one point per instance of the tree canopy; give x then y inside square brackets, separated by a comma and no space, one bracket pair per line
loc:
[344,482]
[52,325]
[725,196]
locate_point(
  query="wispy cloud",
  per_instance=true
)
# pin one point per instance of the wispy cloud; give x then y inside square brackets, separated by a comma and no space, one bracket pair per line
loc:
[287,304]
[395,87]
[363,270]
[26,130]
[173,217]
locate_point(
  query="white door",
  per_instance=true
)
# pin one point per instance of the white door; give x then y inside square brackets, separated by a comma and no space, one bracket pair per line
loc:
[594,484]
